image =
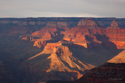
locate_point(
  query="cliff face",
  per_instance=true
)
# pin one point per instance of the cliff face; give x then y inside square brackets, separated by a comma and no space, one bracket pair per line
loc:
[59,48]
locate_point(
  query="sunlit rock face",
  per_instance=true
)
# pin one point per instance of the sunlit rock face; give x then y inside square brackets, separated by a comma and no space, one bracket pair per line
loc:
[45,32]
[39,44]
[116,34]
[120,58]
[62,60]
[62,51]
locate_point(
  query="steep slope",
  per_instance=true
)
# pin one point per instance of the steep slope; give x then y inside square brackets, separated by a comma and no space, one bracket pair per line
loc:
[107,73]
[120,58]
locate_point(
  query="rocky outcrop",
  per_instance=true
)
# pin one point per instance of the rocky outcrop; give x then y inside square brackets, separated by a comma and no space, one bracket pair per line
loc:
[116,34]
[107,73]
[40,37]
[75,35]
[24,38]
[61,51]
[114,25]
[39,44]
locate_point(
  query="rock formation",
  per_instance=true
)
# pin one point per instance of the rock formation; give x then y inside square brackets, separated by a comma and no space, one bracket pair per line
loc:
[41,49]
[87,34]
[39,44]
[45,31]
[61,59]
[115,34]
[114,25]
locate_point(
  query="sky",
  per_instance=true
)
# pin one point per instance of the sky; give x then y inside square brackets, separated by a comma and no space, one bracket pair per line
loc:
[62,8]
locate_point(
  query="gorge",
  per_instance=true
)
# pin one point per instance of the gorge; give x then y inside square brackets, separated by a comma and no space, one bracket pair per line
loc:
[34,50]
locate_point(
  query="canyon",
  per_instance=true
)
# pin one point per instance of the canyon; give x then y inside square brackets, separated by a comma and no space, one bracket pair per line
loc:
[40,49]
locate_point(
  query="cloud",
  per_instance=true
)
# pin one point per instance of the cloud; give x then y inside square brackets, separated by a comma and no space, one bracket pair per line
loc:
[62,8]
